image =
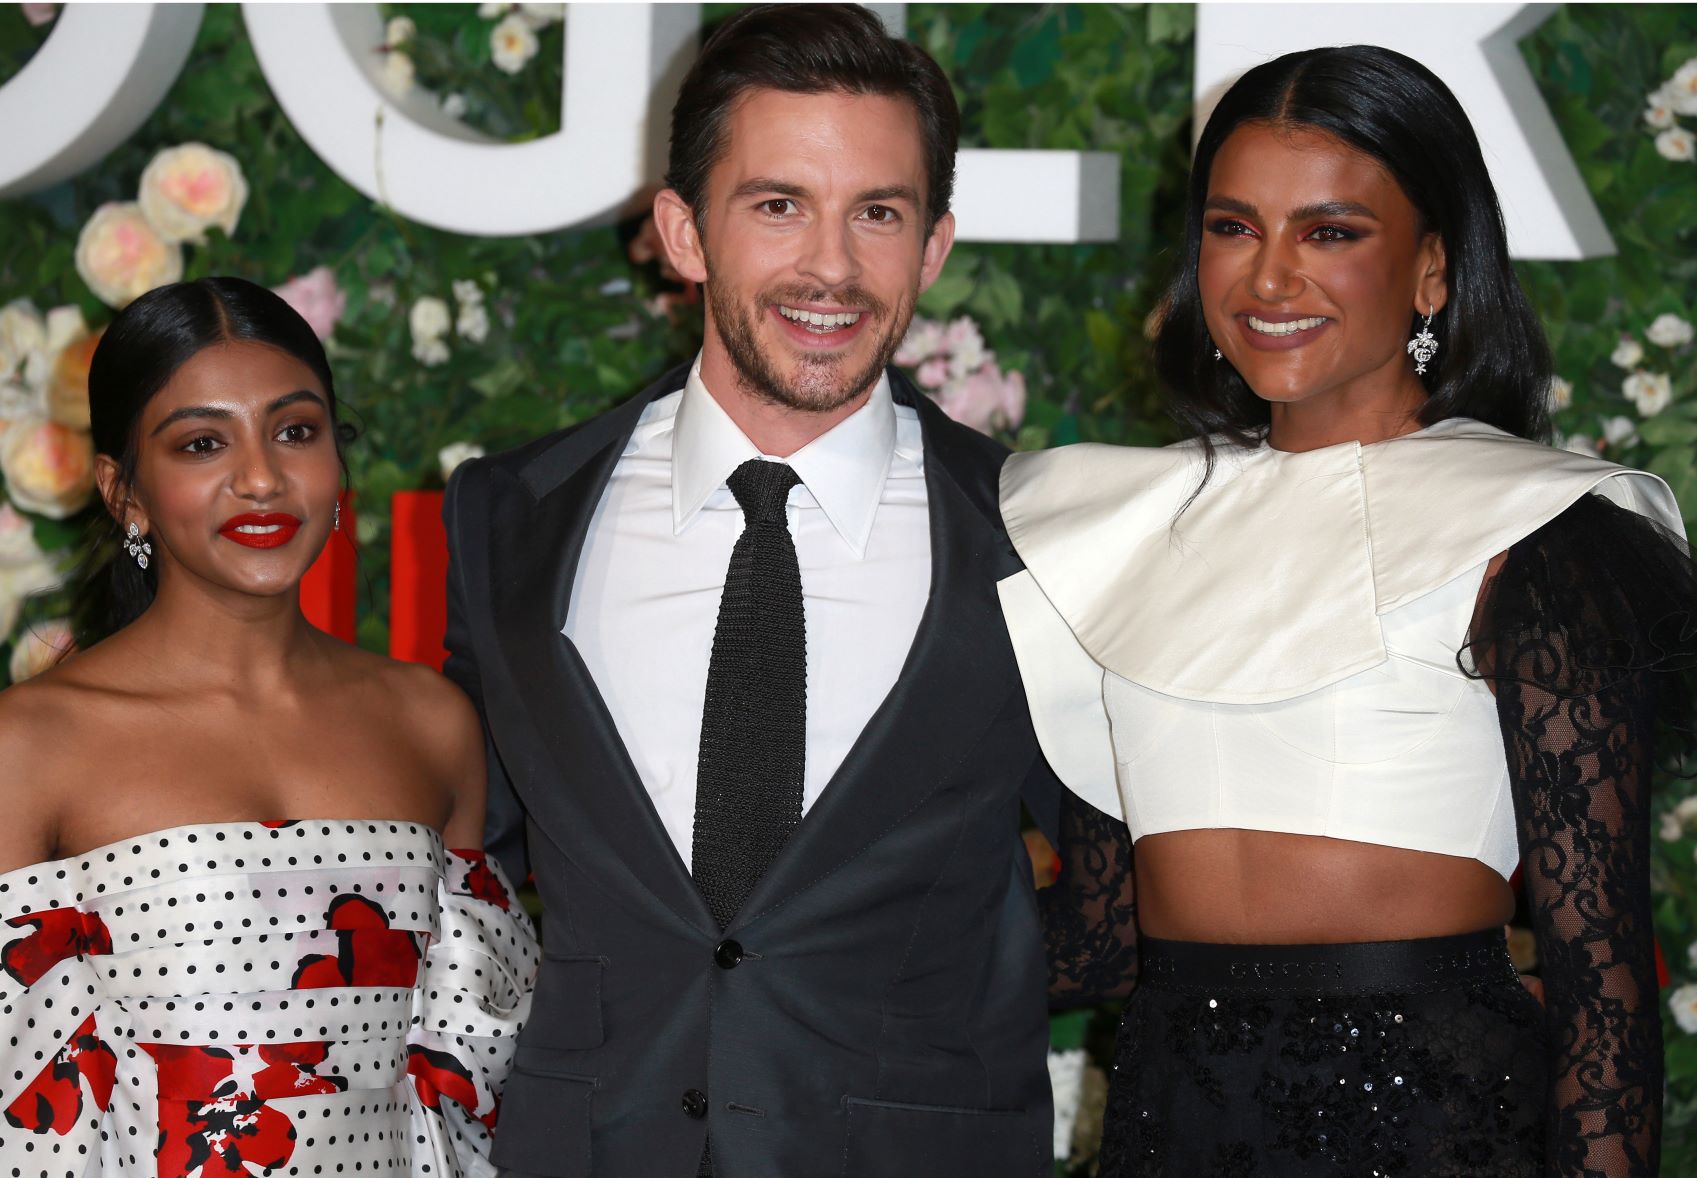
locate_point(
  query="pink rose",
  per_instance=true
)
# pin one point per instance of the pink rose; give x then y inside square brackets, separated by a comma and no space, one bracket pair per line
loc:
[48,468]
[39,14]
[986,400]
[923,340]
[934,373]
[317,299]
[121,257]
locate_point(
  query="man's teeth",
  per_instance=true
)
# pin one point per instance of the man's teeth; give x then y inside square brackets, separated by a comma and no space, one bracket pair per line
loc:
[818,322]
[259,529]
[1290,328]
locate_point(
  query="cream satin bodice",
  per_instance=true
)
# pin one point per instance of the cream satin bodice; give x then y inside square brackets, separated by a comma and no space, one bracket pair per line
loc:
[1281,654]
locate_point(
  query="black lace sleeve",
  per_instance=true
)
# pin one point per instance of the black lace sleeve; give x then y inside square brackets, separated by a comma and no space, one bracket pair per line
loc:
[1585,635]
[1090,911]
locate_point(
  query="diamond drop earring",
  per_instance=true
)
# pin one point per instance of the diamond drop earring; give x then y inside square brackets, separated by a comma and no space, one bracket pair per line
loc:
[336,517]
[137,547]
[1425,345]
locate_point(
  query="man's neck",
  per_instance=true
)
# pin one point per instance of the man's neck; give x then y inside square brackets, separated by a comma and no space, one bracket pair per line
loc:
[777,430]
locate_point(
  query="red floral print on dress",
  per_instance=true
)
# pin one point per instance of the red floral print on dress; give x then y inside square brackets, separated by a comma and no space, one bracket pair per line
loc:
[436,1075]
[53,1102]
[214,1121]
[481,882]
[368,953]
[58,934]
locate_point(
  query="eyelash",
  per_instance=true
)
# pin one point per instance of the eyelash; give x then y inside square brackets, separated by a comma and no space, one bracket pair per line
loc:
[1230,227]
[193,445]
[890,216]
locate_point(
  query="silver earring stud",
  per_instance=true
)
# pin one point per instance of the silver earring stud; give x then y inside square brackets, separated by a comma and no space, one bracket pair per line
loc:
[138,548]
[1425,345]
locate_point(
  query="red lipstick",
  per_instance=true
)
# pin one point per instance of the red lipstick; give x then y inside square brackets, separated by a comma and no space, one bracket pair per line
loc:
[271,529]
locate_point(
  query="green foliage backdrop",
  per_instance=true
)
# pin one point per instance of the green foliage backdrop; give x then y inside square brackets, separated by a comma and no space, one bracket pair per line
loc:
[575,325]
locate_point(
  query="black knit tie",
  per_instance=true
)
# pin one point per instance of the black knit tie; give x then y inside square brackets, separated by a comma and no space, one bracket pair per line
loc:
[754,723]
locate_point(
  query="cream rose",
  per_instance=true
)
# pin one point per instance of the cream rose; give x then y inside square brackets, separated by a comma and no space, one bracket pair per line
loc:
[49,468]
[121,257]
[1627,354]
[41,647]
[1681,89]
[1561,393]
[429,318]
[1658,111]
[67,395]
[1651,392]
[189,188]
[1677,144]
[454,453]
[1683,1003]
[512,43]
[1669,331]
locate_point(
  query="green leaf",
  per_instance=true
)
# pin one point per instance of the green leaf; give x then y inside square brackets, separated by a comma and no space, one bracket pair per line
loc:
[951,289]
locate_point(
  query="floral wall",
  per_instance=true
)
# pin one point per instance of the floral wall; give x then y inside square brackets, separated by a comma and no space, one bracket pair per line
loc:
[444,344]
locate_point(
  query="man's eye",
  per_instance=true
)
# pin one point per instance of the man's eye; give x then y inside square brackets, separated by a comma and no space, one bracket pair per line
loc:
[881,214]
[778,206]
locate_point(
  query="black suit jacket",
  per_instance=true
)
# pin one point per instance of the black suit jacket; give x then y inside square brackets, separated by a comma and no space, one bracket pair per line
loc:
[878,1006]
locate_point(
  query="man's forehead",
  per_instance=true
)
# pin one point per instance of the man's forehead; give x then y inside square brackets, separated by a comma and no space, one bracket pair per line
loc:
[868,140]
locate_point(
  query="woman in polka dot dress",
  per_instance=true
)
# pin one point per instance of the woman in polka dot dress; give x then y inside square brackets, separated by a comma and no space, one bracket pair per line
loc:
[232,938]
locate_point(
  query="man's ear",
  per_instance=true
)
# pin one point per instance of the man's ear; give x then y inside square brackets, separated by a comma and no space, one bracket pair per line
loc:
[680,236]
[116,495]
[937,247]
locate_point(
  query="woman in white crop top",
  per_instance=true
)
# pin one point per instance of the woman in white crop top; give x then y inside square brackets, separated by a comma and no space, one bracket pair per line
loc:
[1345,662]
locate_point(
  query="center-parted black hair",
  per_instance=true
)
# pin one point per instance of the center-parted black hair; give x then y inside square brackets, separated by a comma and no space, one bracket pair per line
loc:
[1493,363]
[808,49]
[141,350]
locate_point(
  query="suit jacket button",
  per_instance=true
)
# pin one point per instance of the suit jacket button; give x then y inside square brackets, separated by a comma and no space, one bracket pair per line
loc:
[728,955]
[695,1104]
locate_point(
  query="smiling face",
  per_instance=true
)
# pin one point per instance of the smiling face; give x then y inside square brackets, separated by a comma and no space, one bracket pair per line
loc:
[236,473]
[1312,261]
[812,245]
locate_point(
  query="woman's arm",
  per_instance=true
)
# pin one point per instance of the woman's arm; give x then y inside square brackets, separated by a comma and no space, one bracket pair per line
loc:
[1090,911]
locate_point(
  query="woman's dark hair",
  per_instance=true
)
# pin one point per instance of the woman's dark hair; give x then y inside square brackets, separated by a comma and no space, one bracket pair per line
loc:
[1494,364]
[141,350]
[808,49]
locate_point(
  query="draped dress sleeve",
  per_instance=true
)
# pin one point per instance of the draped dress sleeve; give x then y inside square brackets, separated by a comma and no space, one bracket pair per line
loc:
[58,1069]
[1587,636]
[473,998]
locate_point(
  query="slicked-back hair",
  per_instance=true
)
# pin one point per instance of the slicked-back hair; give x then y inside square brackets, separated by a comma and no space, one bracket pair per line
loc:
[1493,362]
[808,49]
[141,350]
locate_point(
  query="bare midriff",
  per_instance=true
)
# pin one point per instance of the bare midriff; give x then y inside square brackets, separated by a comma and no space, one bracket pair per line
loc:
[1257,887]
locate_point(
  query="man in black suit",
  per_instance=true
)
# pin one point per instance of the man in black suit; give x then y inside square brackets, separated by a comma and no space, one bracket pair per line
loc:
[755,723]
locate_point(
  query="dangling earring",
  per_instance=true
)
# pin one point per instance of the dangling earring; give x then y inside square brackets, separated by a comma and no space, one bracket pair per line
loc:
[137,547]
[1217,355]
[336,517]
[1425,345]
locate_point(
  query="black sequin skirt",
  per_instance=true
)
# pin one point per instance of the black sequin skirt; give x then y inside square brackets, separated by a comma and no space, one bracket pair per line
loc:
[1386,1059]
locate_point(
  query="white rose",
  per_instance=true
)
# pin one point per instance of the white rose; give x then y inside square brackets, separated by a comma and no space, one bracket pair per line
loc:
[430,352]
[121,257]
[1580,444]
[1683,1003]
[398,74]
[1676,143]
[1672,829]
[1561,393]
[65,325]
[1651,392]
[1686,810]
[429,318]
[400,30]
[191,187]
[1681,89]
[466,290]
[1658,109]
[1669,331]
[1619,431]
[22,331]
[454,453]
[512,43]
[923,340]
[472,323]
[540,16]
[488,11]
[1627,354]
[40,647]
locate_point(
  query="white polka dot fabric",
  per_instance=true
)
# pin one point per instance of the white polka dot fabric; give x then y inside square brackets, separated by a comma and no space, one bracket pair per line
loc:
[221,1001]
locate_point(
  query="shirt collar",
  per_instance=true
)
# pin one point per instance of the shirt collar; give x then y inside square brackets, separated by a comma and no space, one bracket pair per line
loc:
[843,469]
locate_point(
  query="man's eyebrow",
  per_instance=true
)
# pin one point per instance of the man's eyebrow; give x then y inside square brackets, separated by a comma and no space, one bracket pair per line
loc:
[218,413]
[889,192]
[762,184]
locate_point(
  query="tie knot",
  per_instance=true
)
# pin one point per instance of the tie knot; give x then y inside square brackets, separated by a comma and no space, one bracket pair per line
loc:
[762,488]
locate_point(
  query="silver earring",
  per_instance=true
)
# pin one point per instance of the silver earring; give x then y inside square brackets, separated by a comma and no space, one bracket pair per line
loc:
[137,547]
[336,518]
[1425,345]
[1217,355]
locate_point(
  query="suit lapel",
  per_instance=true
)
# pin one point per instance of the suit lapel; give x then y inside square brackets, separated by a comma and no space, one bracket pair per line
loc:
[588,796]
[956,680]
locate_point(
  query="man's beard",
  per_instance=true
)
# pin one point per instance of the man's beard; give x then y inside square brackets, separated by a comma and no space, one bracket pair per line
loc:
[822,384]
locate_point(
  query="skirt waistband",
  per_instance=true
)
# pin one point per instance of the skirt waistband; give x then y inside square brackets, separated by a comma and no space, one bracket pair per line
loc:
[1433,963]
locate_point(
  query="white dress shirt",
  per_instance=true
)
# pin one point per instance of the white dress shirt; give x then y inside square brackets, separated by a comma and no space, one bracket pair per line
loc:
[645,597]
